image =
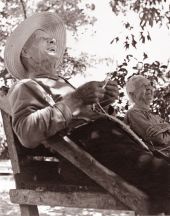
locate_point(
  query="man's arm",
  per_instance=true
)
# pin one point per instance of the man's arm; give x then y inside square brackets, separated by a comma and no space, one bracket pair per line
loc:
[33,119]
[146,128]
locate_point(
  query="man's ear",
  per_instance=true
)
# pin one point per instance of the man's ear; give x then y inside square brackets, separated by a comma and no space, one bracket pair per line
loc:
[24,53]
[132,96]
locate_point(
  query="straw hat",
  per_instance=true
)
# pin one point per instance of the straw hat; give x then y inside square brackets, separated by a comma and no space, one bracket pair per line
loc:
[46,21]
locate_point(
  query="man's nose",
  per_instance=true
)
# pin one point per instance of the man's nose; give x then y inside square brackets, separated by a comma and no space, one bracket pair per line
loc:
[52,41]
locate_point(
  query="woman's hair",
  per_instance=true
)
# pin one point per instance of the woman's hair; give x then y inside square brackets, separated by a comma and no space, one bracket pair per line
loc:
[131,85]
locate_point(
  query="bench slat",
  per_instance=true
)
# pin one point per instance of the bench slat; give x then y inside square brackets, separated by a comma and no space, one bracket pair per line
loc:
[114,184]
[68,199]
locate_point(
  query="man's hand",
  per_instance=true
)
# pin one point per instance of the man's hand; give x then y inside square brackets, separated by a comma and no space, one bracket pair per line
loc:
[158,129]
[90,93]
[111,93]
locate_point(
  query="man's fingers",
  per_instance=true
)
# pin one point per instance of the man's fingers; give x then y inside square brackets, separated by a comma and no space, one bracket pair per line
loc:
[152,132]
[112,92]
[112,88]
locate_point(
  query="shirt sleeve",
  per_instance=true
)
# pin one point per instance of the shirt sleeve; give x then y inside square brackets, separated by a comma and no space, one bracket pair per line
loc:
[33,119]
[140,123]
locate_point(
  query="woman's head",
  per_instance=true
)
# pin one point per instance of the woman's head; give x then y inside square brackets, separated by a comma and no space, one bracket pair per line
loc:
[39,38]
[139,90]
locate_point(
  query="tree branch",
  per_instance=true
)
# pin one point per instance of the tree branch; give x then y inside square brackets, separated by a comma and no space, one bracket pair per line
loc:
[23,8]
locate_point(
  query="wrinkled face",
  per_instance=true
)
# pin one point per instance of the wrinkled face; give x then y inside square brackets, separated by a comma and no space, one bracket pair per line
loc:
[143,92]
[40,47]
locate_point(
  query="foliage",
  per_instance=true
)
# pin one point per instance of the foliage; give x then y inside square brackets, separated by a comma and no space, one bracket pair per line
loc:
[150,13]
[149,10]
[71,65]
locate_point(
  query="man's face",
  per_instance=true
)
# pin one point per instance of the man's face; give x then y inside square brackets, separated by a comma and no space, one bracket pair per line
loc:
[40,47]
[143,92]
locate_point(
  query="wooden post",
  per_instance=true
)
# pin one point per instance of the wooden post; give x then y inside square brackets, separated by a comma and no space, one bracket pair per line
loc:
[11,142]
[29,210]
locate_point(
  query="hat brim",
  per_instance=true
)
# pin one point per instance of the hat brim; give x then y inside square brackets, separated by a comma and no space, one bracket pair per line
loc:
[46,21]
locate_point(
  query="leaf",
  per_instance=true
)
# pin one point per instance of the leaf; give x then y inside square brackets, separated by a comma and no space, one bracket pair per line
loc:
[127,25]
[156,63]
[121,94]
[148,37]
[142,37]
[113,74]
[145,56]
[128,57]
[111,110]
[168,74]
[124,71]
[163,66]
[146,65]
[115,39]
[126,107]
[134,42]
[93,6]
[126,45]
[151,22]
[124,64]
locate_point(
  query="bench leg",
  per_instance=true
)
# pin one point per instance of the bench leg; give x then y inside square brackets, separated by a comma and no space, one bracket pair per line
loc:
[29,210]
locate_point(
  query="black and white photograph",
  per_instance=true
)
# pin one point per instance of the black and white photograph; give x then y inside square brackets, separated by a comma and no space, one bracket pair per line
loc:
[84,107]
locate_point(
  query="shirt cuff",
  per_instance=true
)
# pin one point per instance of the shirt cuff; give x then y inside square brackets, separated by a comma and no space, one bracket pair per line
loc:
[65,111]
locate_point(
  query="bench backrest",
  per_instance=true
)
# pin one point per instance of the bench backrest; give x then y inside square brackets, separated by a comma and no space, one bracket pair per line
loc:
[30,172]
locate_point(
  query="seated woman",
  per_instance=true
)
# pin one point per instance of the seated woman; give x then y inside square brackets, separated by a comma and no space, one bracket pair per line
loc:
[151,128]
[43,104]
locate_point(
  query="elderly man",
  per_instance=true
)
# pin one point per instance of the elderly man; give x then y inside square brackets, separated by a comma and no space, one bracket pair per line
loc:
[33,52]
[43,104]
[151,128]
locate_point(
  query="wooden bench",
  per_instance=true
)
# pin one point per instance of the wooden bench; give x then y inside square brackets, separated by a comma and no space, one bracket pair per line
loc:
[71,178]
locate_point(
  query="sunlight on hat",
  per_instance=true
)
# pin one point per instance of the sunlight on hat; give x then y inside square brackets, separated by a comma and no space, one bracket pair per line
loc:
[45,21]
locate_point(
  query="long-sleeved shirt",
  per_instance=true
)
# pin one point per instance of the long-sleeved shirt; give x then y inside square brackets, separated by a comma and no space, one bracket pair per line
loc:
[35,115]
[142,121]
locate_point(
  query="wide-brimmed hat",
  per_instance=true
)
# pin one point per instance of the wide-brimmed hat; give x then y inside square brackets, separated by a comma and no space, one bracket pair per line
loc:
[46,21]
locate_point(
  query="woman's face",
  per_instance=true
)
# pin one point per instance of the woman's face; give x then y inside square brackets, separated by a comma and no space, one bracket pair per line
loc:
[143,92]
[41,48]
